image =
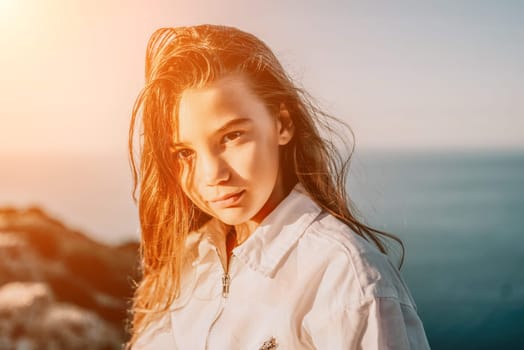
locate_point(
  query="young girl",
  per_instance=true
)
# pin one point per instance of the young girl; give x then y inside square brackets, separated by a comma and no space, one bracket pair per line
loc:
[248,240]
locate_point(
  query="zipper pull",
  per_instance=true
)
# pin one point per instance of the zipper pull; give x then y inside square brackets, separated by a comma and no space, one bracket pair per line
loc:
[225,285]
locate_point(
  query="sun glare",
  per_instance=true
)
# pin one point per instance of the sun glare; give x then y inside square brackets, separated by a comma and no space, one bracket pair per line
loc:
[8,11]
[6,5]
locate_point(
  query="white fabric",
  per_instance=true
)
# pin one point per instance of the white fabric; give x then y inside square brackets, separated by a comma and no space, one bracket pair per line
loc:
[303,278]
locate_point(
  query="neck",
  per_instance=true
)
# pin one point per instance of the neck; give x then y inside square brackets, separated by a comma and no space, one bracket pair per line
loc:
[243,231]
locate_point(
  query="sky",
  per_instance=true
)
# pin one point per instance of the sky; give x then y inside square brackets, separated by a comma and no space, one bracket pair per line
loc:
[404,74]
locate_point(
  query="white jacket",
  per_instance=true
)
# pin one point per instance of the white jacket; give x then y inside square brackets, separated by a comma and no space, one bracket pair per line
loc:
[302,280]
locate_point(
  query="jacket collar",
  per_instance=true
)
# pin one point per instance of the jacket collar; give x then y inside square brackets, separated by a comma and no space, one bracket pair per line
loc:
[265,248]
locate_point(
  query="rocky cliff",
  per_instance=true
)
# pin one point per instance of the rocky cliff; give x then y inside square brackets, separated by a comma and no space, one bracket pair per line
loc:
[58,288]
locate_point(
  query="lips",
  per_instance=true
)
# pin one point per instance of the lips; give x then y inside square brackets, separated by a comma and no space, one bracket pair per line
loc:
[227,200]
[224,197]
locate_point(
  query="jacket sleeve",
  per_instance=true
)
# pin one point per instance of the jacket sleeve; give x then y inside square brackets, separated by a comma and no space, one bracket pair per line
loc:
[380,323]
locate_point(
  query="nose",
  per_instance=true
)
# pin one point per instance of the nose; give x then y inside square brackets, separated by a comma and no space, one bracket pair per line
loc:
[213,169]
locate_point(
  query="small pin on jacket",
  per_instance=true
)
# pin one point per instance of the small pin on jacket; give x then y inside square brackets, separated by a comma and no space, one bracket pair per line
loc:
[270,344]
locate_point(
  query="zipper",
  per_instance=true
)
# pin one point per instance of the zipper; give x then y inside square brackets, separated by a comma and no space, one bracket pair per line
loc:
[231,238]
[226,281]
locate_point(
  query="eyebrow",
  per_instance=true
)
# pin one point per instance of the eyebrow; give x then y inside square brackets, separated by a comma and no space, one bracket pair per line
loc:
[227,125]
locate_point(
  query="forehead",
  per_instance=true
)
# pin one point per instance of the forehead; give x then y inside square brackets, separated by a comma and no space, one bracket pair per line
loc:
[202,111]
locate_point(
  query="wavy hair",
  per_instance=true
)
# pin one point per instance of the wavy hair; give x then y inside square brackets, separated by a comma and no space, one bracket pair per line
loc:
[191,57]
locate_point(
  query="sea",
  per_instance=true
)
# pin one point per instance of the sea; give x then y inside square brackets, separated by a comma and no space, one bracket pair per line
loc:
[460,215]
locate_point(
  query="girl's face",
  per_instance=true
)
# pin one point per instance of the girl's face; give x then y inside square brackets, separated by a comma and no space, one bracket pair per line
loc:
[228,147]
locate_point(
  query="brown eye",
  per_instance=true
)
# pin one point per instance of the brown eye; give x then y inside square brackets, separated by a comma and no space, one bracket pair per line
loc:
[184,154]
[231,136]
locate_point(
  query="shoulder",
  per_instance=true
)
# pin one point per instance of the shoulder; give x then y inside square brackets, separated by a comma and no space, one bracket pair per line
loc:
[349,264]
[157,335]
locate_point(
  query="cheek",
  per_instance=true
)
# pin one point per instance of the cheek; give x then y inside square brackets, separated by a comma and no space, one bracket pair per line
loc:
[242,160]
[257,160]
[190,185]
[185,179]
[269,152]
[187,183]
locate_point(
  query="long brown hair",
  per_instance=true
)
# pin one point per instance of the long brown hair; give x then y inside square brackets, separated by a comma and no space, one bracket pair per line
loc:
[190,57]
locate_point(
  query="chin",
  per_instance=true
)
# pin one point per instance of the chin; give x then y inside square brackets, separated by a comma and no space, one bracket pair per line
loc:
[232,221]
[233,218]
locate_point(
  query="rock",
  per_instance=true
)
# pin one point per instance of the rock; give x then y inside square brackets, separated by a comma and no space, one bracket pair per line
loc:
[80,283]
[32,319]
